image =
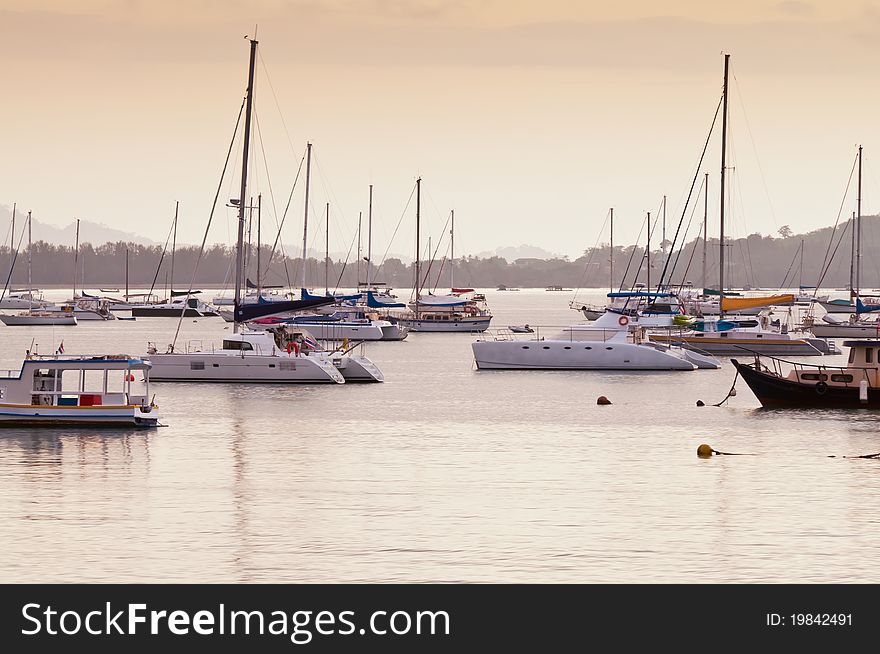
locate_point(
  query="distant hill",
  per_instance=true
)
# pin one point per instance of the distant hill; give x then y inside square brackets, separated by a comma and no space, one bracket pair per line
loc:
[523,251]
[89,232]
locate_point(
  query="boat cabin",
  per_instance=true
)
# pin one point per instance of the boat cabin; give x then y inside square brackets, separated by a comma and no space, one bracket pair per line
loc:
[863,364]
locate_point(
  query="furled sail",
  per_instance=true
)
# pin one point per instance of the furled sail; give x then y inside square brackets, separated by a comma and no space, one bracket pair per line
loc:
[247,312]
[737,303]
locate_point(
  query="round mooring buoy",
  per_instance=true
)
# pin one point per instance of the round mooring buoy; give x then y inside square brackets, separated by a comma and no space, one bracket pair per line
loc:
[603,400]
[701,403]
[705,451]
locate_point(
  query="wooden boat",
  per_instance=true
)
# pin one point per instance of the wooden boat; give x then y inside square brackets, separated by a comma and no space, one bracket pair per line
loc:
[790,384]
[77,390]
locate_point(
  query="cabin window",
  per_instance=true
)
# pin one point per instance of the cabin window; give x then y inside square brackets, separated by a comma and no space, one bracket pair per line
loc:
[546,347]
[525,347]
[567,347]
[271,365]
[589,347]
[814,376]
[196,365]
[759,335]
[237,345]
[842,378]
[852,355]
[609,348]
[869,355]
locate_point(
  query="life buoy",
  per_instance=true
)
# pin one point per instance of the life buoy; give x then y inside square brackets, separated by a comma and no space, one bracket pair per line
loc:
[821,388]
[623,321]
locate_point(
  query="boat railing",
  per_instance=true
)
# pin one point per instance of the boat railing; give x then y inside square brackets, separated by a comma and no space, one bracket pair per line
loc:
[549,332]
[776,367]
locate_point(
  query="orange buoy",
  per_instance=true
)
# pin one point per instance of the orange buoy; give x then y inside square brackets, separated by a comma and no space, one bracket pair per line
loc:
[705,451]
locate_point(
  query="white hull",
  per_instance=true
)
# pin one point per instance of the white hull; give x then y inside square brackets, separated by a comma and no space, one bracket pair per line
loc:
[330,331]
[830,307]
[721,345]
[392,332]
[24,321]
[251,368]
[21,303]
[23,415]
[845,331]
[465,325]
[574,355]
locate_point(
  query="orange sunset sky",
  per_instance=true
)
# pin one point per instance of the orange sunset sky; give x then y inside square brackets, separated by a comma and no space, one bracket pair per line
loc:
[529,119]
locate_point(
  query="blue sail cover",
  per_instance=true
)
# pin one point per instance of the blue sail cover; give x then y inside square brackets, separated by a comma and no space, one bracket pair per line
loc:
[373,303]
[305,295]
[247,312]
[865,308]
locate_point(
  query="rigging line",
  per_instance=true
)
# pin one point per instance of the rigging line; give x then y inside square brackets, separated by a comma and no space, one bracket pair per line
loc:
[652,227]
[693,183]
[14,257]
[277,105]
[271,192]
[684,239]
[755,150]
[281,224]
[161,259]
[590,258]
[345,263]
[790,266]
[839,241]
[632,255]
[690,260]
[826,262]
[210,218]
[391,240]
[436,249]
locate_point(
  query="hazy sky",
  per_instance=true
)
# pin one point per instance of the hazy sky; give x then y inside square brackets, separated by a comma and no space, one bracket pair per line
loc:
[530,119]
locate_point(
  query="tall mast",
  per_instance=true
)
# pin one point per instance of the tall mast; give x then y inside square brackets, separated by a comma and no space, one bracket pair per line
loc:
[173,245]
[801,274]
[418,253]
[259,240]
[370,238]
[705,225]
[611,260]
[327,252]
[242,196]
[306,210]
[852,257]
[30,285]
[452,251]
[360,217]
[723,167]
[663,232]
[75,257]
[126,274]
[648,252]
[859,232]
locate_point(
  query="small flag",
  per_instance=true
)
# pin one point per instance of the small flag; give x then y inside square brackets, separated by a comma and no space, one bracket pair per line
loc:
[60,349]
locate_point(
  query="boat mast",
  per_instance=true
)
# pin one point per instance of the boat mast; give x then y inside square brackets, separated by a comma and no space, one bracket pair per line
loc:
[327,253]
[360,217]
[12,243]
[801,273]
[75,257]
[852,257]
[242,196]
[173,247]
[126,274]
[452,251]
[663,234]
[611,259]
[418,211]
[723,166]
[859,232]
[30,285]
[306,210]
[705,224]
[370,238]
[259,216]
[648,251]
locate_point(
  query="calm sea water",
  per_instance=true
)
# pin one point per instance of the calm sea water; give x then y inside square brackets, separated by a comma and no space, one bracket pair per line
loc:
[441,474]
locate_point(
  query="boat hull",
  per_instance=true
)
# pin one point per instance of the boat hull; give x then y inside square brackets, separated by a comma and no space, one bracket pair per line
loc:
[17,415]
[24,321]
[252,368]
[778,392]
[327,330]
[147,312]
[463,325]
[723,346]
[845,331]
[573,355]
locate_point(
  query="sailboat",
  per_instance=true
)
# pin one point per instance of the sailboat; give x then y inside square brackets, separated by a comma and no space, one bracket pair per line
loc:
[43,315]
[277,355]
[456,312]
[733,337]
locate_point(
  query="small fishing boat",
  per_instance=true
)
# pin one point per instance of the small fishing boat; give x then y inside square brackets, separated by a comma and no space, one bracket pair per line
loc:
[77,390]
[791,384]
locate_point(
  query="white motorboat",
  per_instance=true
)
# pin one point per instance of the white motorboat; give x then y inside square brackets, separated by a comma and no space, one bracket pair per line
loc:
[77,390]
[190,308]
[23,300]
